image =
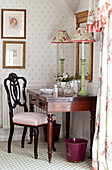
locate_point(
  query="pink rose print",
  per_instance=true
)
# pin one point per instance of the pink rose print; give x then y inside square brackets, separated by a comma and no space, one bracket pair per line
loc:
[108,59]
[99,11]
[110,11]
[106,104]
[106,150]
[64,38]
[91,13]
[79,31]
[54,38]
[100,76]
[94,164]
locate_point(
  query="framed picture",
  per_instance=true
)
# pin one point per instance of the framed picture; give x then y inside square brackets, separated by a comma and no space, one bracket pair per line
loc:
[13,54]
[13,23]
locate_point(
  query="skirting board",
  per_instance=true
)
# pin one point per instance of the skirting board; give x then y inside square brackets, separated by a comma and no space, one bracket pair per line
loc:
[18,137]
[15,137]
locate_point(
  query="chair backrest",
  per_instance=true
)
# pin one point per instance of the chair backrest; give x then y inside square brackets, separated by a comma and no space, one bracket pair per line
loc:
[15,88]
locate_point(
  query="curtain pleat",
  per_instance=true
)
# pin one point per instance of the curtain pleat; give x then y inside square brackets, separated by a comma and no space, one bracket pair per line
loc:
[100,20]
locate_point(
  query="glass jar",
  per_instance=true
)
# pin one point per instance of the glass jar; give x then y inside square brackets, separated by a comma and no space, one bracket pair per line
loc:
[68,90]
[60,89]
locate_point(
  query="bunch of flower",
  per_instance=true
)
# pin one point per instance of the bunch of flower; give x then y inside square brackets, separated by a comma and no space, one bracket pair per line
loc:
[64,77]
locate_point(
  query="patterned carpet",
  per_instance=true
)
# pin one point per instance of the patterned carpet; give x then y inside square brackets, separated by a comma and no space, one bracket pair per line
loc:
[23,159]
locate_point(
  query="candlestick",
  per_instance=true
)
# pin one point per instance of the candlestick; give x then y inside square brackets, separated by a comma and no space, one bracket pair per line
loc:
[83,92]
[82,50]
[83,36]
[62,64]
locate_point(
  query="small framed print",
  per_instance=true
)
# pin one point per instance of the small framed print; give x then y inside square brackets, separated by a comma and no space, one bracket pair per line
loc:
[13,23]
[13,54]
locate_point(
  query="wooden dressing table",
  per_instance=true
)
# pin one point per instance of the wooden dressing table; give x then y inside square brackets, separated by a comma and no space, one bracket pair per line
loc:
[63,104]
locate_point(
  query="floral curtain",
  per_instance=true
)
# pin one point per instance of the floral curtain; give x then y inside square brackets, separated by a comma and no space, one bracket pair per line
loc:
[100,19]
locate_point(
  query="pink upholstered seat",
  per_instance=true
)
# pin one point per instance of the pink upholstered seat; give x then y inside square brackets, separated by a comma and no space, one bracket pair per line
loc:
[31,118]
[15,87]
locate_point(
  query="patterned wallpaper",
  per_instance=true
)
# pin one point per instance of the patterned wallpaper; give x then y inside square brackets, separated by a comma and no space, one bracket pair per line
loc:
[44,19]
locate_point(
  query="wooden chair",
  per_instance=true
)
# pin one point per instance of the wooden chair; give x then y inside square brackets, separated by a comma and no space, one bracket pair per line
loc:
[16,96]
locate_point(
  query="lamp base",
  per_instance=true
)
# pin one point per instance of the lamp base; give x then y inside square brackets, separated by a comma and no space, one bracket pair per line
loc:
[82,93]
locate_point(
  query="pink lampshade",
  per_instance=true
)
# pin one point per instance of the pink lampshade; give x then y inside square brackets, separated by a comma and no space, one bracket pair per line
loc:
[82,35]
[61,37]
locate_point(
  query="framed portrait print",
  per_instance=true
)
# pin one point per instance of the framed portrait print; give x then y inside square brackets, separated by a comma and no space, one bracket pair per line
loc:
[13,23]
[13,54]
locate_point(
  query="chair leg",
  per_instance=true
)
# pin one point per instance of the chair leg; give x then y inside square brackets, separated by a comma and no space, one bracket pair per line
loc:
[31,135]
[53,147]
[10,137]
[23,136]
[35,142]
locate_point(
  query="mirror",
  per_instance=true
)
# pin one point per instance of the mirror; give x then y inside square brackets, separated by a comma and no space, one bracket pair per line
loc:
[81,19]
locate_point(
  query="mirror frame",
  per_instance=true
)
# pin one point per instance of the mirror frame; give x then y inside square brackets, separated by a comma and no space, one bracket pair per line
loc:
[81,17]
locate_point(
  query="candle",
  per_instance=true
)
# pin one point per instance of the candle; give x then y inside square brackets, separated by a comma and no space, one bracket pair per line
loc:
[61,50]
[82,50]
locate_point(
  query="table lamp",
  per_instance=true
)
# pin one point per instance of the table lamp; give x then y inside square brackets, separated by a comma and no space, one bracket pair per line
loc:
[84,37]
[62,37]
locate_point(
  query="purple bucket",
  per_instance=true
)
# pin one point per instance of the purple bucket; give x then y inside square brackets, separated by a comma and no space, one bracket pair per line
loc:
[75,149]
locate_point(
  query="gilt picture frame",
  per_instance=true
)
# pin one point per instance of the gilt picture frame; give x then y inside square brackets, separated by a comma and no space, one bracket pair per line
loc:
[13,23]
[13,54]
[81,18]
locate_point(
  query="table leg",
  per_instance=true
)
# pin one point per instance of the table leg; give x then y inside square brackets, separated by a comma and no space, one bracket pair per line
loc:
[67,124]
[92,130]
[31,109]
[50,135]
[53,147]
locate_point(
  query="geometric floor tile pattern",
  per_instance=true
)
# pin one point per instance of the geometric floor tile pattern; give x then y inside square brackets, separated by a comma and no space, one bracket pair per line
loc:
[23,158]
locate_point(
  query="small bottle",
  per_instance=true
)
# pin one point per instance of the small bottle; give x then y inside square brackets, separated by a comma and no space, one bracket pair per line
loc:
[79,85]
[55,91]
[75,87]
[72,84]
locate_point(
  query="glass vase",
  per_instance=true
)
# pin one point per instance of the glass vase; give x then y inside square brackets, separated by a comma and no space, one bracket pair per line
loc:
[63,84]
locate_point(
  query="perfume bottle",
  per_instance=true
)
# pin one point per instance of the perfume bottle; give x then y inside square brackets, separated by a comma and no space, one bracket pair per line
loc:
[55,91]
